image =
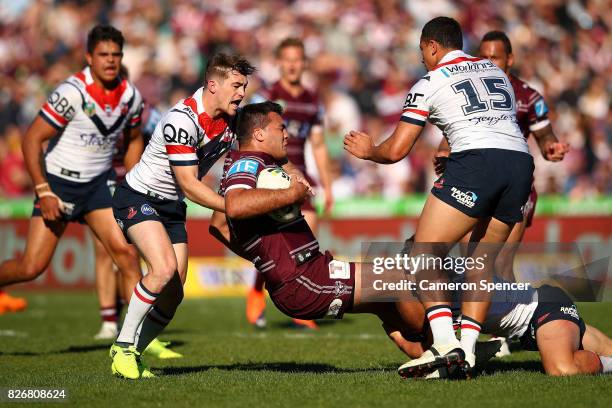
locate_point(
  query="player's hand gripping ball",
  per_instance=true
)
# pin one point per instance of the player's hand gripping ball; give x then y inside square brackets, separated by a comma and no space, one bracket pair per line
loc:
[275,178]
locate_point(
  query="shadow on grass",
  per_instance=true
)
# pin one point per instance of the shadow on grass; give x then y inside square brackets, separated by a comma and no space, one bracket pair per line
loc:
[289,324]
[73,349]
[501,366]
[281,367]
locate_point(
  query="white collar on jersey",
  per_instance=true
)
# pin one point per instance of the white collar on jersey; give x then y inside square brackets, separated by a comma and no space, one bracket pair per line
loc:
[197,95]
[88,77]
[452,55]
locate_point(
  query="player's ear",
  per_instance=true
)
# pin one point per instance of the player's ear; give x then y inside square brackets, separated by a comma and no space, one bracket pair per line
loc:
[258,134]
[211,85]
[510,60]
[88,58]
[434,47]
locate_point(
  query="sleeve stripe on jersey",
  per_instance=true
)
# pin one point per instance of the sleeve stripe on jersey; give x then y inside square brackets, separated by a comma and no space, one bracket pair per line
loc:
[49,121]
[242,176]
[60,120]
[184,163]
[417,111]
[180,149]
[241,186]
[412,121]
[183,157]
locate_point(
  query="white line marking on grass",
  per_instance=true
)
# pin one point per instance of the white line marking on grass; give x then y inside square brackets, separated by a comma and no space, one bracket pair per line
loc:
[12,333]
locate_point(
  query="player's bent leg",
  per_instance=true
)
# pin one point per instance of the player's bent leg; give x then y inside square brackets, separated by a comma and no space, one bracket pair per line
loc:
[40,246]
[153,242]
[164,309]
[596,341]
[103,224]
[106,289]
[439,223]
[558,342]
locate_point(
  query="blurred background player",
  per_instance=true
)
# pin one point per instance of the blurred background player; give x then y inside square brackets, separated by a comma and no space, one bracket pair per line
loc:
[303,116]
[82,119]
[109,294]
[10,303]
[150,209]
[532,118]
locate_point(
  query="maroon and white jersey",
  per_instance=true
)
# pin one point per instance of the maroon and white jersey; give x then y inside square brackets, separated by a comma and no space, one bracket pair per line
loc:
[185,136]
[301,114]
[275,248]
[89,121]
[531,109]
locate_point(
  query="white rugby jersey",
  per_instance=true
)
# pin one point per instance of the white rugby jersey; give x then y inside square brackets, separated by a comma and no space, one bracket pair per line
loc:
[509,313]
[89,123]
[185,136]
[471,100]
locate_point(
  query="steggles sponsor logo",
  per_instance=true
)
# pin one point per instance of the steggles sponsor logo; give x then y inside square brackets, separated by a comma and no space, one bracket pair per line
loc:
[468,198]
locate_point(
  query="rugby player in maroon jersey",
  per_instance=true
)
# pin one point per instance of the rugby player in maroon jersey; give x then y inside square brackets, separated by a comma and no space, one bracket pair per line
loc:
[302,281]
[303,119]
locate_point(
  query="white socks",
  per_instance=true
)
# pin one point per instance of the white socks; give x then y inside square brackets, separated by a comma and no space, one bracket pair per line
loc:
[140,303]
[441,323]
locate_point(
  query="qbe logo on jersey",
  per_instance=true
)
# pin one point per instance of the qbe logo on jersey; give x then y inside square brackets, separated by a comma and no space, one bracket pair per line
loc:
[467,198]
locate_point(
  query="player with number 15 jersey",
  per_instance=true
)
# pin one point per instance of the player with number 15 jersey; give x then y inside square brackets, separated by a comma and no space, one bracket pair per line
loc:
[486,181]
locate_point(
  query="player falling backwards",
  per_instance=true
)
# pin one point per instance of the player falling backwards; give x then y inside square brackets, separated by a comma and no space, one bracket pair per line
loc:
[302,114]
[532,118]
[82,120]
[149,204]
[305,283]
[486,182]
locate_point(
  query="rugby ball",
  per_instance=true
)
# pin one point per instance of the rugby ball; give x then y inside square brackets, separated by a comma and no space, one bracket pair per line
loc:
[275,178]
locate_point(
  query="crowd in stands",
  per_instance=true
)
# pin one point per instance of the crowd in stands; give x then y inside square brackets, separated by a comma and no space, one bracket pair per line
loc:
[363,57]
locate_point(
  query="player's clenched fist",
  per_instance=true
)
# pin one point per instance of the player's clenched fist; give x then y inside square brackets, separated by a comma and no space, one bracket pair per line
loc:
[300,188]
[556,151]
[358,144]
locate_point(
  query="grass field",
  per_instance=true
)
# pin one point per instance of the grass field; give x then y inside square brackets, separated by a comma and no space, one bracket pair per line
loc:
[227,363]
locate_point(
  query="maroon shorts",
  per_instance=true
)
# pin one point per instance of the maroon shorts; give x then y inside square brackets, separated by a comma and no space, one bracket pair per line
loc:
[530,205]
[323,289]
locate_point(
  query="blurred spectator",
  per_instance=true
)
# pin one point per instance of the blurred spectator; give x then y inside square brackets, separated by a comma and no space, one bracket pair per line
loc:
[363,57]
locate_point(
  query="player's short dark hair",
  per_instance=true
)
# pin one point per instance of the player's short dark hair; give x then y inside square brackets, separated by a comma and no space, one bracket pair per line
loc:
[103,33]
[498,36]
[445,30]
[289,42]
[220,66]
[255,116]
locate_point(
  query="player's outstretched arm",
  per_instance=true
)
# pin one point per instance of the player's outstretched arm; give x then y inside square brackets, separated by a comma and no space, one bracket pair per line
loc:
[551,148]
[39,132]
[134,149]
[247,203]
[196,191]
[392,150]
